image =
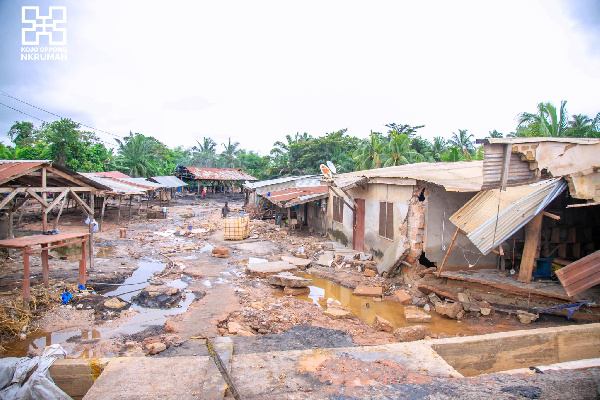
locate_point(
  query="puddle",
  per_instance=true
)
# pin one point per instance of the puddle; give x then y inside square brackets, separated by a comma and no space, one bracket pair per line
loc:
[144,318]
[106,252]
[138,280]
[70,253]
[208,248]
[167,233]
[366,309]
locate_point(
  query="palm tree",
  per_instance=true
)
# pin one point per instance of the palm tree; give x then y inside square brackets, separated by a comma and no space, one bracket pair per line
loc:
[438,148]
[205,153]
[367,155]
[229,155]
[583,126]
[495,134]
[547,121]
[399,152]
[136,155]
[463,141]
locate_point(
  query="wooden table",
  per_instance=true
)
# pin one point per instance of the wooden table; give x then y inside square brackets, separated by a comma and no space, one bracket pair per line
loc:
[46,242]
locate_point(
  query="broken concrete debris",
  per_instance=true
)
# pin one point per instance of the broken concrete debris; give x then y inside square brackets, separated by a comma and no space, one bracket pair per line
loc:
[382,324]
[290,280]
[403,297]
[526,317]
[155,348]
[295,291]
[113,303]
[162,297]
[412,333]
[415,314]
[370,291]
[449,309]
[262,270]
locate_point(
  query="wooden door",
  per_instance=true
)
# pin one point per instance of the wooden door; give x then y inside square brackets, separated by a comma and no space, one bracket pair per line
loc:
[358,232]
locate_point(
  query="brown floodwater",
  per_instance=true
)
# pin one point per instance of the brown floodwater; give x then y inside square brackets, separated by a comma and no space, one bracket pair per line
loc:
[365,308]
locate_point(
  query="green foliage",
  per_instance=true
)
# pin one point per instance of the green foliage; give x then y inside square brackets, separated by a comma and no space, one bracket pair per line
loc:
[228,158]
[546,121]
[463,142]
[137,155]
[22,133]
[254,164]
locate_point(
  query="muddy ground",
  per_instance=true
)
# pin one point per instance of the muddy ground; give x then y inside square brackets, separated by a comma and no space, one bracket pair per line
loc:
[215,292]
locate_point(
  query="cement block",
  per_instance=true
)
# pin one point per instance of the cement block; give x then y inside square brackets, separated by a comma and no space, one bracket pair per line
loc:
[371,291]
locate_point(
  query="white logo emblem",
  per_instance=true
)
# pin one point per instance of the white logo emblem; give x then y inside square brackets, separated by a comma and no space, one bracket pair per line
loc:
[44,25]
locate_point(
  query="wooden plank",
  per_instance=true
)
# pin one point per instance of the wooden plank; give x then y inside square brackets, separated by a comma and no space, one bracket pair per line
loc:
[533,230]
[82,204]
[10,196]
[38,198]
[56,200]
[581,274]
[505,165]
[25,287]
[33,240]
[448,252]
[550,215]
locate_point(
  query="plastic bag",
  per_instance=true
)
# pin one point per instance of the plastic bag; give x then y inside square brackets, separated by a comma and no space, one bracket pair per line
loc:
[39,385]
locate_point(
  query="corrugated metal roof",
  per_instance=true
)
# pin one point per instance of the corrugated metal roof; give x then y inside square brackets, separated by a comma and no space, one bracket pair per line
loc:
[116,186]
[519,171]
[464,176]
[511,209]
[581,274]
[295,196]
[15,172]
[520,140]
[219,174]
[111,174]
[142,182]
[169,181]
[277,181]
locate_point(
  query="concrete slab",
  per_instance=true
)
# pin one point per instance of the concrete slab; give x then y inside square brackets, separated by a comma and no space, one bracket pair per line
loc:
[263,270]
[299,262]
[287,279]
[325,259]
[371,291]
[151,378]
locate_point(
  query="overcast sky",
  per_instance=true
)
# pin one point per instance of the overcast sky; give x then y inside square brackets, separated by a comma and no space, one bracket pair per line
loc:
[256,70]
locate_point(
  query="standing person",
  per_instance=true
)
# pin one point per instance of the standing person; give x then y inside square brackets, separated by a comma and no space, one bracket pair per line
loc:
[225,210]
[203,192]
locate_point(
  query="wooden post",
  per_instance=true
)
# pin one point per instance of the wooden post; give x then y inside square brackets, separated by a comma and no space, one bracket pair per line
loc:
[44,215]
[139,204]
[533,230]
[82,266]
[130,201]
[448,252]
[104,201]
[45,265]
[25,288]
[289,220]
[91,232]
[62,204]
[119,211]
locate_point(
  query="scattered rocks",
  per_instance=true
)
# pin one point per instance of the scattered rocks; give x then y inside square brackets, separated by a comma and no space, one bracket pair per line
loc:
[403,297]
[465,300]
[412,333]
[155,348]
[220,252]
[382,324]
[370,273]
[338,313]
[301,255]
[415,314]
[163,297]
[233,327]
[526,317]
[295,291]
[485,310]
[113,303]
[450,310]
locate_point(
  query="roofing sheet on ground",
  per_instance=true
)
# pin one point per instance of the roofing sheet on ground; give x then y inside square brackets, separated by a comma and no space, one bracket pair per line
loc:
[492,216]
[463,176]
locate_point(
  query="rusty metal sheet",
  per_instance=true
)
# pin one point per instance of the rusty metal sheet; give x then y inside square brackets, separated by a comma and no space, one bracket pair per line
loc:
[295,196]
[219,174]
[581,274]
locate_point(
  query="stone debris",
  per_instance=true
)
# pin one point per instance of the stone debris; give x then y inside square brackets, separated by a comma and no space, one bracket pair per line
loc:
[412,333]
[382,324]
[465,300]
[370,273]
[155,348]
[233,327]
[338,313]
[450,310]
[415,314]
[114,303]
[526,317]
[262,270]
[289,280]
[485,311]
[299,262]
[403,297]
[220,252]
[371,291]
[295,291]
[163,297]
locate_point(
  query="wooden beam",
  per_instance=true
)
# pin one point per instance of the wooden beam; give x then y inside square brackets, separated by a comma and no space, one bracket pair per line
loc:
[343,197]
[104,201]
[533,231]
[553,216]
[57,200]
[38,198]
[67,177]
[505,166]
[448,252]
[82,204]
[40,189]
[44,194]
[62,205]
[10,196]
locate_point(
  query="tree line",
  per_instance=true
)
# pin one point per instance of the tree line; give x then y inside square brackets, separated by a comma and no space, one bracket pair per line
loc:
[66,143]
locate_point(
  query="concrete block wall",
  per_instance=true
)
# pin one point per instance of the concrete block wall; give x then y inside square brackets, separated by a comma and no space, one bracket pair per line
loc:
[416,223]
